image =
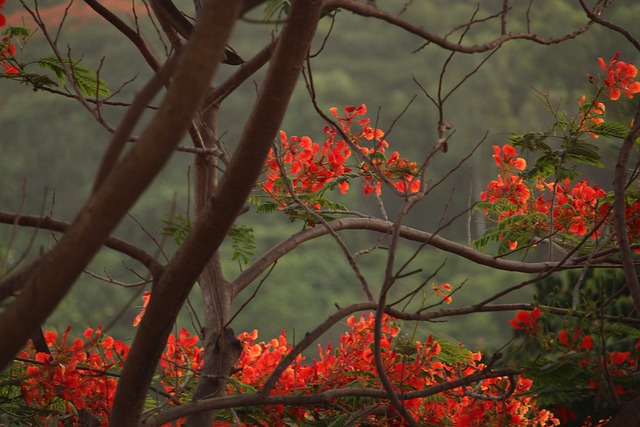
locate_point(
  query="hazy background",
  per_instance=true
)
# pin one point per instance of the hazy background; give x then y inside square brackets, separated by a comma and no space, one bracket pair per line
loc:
[50,147]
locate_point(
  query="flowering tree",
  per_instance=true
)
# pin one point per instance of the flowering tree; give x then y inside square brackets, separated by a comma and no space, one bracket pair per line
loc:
[375,376]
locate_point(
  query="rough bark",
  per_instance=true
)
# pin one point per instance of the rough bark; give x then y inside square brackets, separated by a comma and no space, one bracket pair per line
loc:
[221,348]
[206,235]
[193,77]
[57,271]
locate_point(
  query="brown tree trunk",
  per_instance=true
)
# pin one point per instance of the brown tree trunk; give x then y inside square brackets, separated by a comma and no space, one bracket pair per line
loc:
[221,347]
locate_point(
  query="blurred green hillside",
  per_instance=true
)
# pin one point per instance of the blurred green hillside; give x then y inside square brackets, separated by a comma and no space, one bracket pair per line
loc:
[50,148]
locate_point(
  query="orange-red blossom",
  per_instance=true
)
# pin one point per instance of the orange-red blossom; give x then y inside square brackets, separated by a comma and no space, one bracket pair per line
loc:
[569,209]
[352,365]
[7,49]
[78,374]
[620,77]
[310,167]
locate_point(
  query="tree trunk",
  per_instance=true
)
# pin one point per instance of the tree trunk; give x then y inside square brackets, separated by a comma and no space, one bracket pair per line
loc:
[221,347]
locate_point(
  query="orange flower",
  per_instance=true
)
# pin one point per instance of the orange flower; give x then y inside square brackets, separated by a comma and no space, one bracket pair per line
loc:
[526,321]
[620,77]
[440,290]
[145,302]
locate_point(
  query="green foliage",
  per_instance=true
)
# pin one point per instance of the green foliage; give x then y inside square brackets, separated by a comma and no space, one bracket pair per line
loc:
[621,330]
[242,242]
[273,7]
[17,32]
[87,80]
[514,228]
[610,129]
[558,378]
[295,212]
[242,239]
[532,141]
[177,227]
[452,353]
[565,375]
[559,162]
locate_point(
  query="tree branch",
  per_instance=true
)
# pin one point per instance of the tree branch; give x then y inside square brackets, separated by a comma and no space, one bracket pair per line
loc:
[385,227]
[211,227]
[127,31]
[363,10]
[57,270]
[323,398]
[14,282]
[620,203]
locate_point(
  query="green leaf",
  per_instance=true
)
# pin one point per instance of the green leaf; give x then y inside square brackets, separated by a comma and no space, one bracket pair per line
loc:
[271,7]
[558,378]
[267,207]
[584,153]
[531,141]
[621,330]
[21,32]
[243,243]
[87,80]
[452,353]
[176,227]
[611,130]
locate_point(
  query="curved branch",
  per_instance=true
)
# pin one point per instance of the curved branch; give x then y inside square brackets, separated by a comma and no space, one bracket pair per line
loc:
[127,31]
[222,209]
[595,17]
[363,9]
[217,95]
[51,224]
[386,227]
[323,398]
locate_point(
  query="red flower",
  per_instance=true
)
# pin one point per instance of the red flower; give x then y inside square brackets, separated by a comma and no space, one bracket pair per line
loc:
[526,321]
[619,78]
[587,343]
[310,167]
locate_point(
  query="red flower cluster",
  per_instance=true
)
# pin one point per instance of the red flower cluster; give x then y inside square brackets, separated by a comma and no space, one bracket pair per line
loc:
[508,186]
[526,321]
[577,342]
[7,49]
[311,167]
[182,357]
[74,376]
[619,77]
[83,374]
[412,367]
[558,207]
[396,169]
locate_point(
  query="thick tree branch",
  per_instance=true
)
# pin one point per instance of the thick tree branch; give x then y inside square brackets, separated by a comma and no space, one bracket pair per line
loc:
[211,227]
[385,227]
[324,398]
[57,270]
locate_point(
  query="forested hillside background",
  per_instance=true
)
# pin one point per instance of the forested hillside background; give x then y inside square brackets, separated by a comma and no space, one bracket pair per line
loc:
[57,145]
